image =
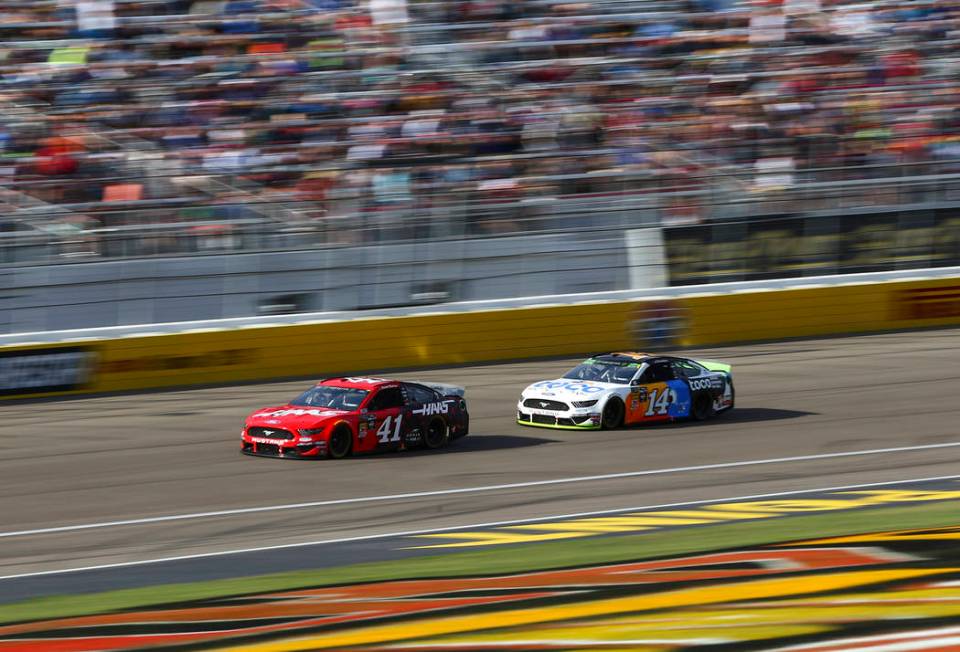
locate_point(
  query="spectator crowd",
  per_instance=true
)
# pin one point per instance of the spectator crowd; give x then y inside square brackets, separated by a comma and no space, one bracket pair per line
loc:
[318,114]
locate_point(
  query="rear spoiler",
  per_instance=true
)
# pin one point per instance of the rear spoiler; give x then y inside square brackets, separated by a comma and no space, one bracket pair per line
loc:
[715,366]
[444,388]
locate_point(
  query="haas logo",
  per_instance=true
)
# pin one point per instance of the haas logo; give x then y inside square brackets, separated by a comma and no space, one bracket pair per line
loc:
[433,408]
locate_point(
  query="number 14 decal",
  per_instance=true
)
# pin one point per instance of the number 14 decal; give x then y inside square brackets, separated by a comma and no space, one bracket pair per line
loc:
[660,400]
[384,435]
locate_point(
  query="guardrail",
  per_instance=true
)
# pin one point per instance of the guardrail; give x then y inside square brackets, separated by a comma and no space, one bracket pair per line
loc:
[94,362]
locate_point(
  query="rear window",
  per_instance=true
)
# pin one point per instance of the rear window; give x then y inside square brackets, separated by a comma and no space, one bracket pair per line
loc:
[421,394]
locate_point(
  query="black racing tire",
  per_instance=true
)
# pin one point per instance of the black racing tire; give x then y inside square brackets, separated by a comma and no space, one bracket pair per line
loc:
[340,443]
[436,435]
[702,408]
[612,417]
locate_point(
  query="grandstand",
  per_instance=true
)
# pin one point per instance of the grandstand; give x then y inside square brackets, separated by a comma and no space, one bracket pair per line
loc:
[169,127]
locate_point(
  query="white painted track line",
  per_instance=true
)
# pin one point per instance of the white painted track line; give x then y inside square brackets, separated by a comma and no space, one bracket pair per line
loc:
[469,490]
[473,526]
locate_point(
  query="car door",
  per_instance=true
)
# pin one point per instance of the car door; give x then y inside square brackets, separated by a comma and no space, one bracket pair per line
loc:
[387,427]
[656,395]
[701,381]
[422,404]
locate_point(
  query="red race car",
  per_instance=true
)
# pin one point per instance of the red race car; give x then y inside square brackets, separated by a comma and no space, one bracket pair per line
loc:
[340,416]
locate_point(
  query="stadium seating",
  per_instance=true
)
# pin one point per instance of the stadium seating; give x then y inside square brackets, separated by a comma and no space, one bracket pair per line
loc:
[178,126]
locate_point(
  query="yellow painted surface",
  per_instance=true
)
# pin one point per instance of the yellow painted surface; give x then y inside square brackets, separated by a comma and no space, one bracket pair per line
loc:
[332,348]
[863,308]
[751,590]
[731,622]
[713,513]
[942,534]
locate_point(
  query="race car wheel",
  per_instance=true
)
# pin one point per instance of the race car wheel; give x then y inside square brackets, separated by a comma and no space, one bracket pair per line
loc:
[612,414]
[437,434]
[341,441]
[702,407]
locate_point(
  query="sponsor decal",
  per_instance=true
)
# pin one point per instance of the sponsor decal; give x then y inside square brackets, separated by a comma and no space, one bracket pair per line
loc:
[927,303]
[298,413]
[365,381]
[440,407]
[264,440]
[575,386]
[706,383]
[45,370]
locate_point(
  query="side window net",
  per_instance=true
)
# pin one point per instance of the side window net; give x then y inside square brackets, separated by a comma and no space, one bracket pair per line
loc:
[387,398]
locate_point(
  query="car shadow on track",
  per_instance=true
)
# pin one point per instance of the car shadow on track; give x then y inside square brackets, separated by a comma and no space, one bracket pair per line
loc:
[747,415]
[475,444]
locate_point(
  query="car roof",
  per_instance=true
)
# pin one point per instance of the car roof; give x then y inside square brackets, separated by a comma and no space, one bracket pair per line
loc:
[623,356]
[358,382]
[637,357]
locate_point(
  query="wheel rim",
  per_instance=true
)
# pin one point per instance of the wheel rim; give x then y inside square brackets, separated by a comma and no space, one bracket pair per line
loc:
[436,435]
[339,444]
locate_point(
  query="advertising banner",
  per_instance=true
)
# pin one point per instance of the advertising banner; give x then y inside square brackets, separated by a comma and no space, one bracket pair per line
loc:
[786,246]
[940,301]
[41,371]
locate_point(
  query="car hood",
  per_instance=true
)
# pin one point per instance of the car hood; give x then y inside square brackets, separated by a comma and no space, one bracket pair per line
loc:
[293,416]
[569,389]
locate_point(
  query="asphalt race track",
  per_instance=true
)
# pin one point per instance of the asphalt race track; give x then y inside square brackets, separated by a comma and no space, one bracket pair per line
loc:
[73,469]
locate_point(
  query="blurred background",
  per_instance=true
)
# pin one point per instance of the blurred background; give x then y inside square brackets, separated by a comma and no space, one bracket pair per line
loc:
[171,160]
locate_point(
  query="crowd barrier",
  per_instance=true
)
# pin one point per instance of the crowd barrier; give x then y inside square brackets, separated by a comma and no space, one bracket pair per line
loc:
[318,349]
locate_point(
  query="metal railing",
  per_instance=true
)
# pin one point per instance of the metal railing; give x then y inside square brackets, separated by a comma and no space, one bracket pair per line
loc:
[608,200]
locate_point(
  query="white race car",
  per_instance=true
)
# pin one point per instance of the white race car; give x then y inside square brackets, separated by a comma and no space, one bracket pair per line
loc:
[613,389]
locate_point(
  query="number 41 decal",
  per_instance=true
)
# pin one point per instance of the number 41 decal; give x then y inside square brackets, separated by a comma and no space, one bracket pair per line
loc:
[660,400]
[384,435]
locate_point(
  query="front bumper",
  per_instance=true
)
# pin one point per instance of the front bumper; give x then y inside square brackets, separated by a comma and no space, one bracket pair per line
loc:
[294,452]
[561,420]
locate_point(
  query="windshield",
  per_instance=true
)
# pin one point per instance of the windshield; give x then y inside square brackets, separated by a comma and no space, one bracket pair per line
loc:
[337,398]
[604,372]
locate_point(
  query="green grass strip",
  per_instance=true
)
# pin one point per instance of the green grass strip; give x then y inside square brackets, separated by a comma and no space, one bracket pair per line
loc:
[515,558]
